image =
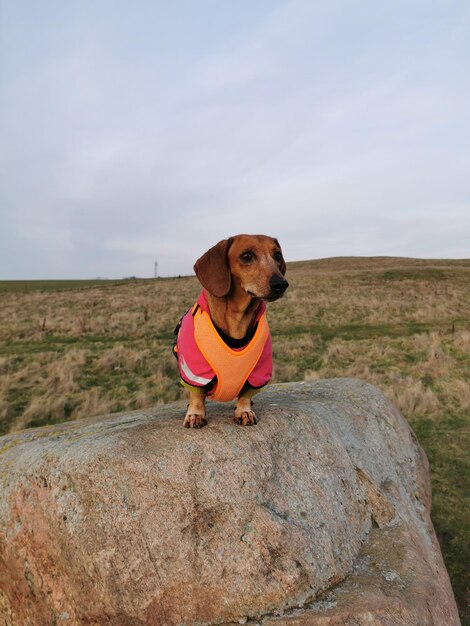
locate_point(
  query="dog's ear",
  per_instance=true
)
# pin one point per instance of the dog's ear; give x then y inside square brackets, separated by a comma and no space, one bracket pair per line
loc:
[282,266]
[213,271]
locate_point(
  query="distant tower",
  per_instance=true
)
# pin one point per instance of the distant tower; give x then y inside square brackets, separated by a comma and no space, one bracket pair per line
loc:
[155,273]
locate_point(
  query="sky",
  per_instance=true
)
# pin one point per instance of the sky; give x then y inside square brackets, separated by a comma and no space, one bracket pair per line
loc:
[143,131]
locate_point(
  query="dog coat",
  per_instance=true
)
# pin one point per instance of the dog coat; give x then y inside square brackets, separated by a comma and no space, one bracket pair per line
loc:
[206,361]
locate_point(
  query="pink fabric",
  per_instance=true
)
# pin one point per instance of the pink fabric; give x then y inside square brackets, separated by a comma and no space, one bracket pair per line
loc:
[196,371]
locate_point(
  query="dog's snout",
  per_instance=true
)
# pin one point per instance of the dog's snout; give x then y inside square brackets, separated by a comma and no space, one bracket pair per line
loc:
[278,285]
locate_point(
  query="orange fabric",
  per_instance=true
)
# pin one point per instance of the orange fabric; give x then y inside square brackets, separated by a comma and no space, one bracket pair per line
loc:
[232,367]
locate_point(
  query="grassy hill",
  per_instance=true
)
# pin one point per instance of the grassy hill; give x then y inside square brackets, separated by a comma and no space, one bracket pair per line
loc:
[70,349]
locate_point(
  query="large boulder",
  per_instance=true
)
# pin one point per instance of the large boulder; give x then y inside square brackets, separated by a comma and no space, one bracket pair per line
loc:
[318,515]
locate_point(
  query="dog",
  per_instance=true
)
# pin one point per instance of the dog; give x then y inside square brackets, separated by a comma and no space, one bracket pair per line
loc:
[222,343]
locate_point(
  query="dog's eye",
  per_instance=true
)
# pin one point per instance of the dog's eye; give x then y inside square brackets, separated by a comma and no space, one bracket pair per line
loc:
[277,256]
[247,257]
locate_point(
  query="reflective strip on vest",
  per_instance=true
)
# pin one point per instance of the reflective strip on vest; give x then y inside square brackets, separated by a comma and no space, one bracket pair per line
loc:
[232,367]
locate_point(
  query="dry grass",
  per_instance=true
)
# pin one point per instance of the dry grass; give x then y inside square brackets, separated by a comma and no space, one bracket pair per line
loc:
[401,324]
[74,353]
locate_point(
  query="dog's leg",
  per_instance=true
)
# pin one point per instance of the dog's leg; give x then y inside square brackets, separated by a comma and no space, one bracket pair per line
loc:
[244,414]
[196,413]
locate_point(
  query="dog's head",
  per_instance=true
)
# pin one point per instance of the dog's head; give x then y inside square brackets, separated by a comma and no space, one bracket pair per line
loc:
[252,262]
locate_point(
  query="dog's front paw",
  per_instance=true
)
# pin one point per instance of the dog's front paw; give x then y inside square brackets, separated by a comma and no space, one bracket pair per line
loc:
[195,420]
[245,418]
[244,414]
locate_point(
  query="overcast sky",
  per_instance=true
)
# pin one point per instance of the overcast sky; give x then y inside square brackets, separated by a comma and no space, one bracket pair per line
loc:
[149,130]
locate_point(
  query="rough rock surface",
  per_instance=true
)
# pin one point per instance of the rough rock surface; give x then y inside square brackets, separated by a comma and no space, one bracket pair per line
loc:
[318,515]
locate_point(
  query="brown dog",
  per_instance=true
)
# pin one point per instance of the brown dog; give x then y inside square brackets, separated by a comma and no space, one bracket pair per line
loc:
[223,344]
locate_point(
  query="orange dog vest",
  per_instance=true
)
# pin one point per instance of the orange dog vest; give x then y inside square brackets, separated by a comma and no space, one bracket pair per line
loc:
[232,367]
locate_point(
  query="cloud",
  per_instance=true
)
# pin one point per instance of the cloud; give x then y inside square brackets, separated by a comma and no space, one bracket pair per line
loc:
[134,136]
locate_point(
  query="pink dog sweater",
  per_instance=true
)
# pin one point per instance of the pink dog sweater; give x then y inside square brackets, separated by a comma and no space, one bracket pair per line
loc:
[206,361]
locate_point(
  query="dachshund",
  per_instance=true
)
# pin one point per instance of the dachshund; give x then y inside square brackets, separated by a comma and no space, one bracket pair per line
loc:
[222,343]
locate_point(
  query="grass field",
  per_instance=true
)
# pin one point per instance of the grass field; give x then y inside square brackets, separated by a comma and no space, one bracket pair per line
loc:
[70,349]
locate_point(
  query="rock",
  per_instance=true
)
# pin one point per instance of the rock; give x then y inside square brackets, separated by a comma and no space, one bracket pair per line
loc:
[319,515]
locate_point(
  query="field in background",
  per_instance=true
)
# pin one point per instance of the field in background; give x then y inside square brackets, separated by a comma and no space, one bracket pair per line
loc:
[70,349]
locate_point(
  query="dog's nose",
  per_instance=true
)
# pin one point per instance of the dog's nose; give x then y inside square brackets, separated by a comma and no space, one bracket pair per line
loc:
[278,285]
